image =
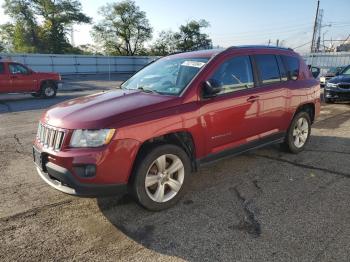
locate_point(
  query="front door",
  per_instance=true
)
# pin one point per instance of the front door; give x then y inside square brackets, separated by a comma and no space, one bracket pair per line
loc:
[22,79]
[5,84]
[230,118]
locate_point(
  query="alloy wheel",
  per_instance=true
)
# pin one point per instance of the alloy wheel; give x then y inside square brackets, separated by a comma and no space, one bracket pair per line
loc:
[164,178]
[300,132]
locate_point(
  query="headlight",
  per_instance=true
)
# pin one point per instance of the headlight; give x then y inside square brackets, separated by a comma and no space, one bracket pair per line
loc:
[322,79]
[91,138]
[331,85]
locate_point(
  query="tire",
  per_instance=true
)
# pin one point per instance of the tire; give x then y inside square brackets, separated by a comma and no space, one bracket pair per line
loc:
[48,90]
[328,100]
[35,94]
[298,133]
[172,184]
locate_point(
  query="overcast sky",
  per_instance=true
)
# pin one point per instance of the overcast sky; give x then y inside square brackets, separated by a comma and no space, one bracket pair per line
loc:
[236,22]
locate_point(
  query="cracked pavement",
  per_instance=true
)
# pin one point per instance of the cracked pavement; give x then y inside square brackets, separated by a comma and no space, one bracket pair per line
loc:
[265,205]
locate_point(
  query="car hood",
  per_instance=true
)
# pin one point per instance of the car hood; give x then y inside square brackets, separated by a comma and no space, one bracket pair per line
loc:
[105,109]
[340,79]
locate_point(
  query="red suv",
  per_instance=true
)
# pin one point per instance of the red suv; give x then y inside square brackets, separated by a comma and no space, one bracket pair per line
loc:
[174,115]
[17,78]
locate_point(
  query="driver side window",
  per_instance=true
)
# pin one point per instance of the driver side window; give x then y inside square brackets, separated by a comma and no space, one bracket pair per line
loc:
[235,74]
[17,69]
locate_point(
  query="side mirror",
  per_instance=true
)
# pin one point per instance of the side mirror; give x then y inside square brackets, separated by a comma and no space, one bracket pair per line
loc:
[337,73]
[211,88]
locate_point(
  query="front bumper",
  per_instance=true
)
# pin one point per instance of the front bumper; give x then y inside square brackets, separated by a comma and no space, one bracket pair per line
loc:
[59,84]
[61,179]
[66,168]
[337,93]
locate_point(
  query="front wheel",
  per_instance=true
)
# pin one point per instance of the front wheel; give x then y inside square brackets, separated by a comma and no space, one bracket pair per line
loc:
[298,133]
[160,177]
[48,90]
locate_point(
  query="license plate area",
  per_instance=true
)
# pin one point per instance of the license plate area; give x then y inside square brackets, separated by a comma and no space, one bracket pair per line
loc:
[40,159]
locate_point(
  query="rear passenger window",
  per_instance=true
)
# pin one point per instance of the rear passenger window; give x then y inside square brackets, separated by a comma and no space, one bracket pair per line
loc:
[235,74]
[2,68]
[292,65]
[268,68]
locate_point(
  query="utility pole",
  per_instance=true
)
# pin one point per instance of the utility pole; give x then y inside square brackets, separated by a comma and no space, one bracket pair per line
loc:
[277,42]
[314,35]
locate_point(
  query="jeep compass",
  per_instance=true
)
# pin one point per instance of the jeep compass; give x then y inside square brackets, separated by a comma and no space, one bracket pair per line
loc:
[176,114]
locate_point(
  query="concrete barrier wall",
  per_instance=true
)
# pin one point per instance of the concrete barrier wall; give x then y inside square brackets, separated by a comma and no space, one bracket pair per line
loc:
[81,64]
[84,64]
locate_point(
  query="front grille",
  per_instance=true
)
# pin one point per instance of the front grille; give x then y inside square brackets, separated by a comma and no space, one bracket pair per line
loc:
[50,137]
[344,85]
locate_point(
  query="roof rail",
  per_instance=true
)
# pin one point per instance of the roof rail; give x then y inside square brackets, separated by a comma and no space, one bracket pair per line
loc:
[261,46]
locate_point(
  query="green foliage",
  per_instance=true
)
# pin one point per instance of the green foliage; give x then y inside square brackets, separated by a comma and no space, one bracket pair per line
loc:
[124,29]
[164,45]
[42,26]
[188,38]
[49,36]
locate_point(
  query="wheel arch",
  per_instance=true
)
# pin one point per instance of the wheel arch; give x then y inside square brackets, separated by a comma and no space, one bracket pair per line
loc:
[47,81]
[183,139]
[308,108]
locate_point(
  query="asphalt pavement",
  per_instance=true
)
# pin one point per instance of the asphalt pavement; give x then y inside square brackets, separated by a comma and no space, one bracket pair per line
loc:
[265,205]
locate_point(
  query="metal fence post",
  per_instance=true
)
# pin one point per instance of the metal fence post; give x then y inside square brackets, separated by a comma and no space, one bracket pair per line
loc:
[109,68]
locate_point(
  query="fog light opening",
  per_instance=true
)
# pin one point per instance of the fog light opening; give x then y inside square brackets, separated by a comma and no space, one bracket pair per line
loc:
[90,171]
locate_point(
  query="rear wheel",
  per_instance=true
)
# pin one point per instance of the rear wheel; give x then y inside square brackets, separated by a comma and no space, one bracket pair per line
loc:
[298,133]
[160,177]
[48,90]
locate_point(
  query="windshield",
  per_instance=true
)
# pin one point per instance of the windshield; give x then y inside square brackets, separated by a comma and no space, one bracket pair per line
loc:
[167,76]
[346,71]
[333,70]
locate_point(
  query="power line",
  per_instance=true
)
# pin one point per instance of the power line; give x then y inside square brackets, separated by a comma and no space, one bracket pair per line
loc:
[301,45]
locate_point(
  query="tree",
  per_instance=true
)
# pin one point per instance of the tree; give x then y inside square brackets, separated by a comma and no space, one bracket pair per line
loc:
[6,36]
[190,37]
[24,32]
[59,16]
[124,29]
[49,36]
[165,44]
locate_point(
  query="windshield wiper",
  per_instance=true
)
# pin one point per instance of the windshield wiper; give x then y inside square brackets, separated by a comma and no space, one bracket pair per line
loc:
[147,90]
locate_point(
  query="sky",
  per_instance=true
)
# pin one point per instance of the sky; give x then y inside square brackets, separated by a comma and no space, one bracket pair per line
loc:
[234,22]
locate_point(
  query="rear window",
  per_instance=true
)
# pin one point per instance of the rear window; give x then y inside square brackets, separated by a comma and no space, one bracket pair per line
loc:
[268,68]
[2,68]
[292,64]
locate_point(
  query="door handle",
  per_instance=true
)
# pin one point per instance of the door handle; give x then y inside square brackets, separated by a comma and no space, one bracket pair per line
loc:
[252,98]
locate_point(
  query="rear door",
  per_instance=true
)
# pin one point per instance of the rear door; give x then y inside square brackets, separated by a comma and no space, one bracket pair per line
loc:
[272,94]
[22,79]
[5,85]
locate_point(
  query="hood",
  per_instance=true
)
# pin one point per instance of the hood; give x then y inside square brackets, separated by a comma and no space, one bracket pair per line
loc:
[105,109]
[340,79]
